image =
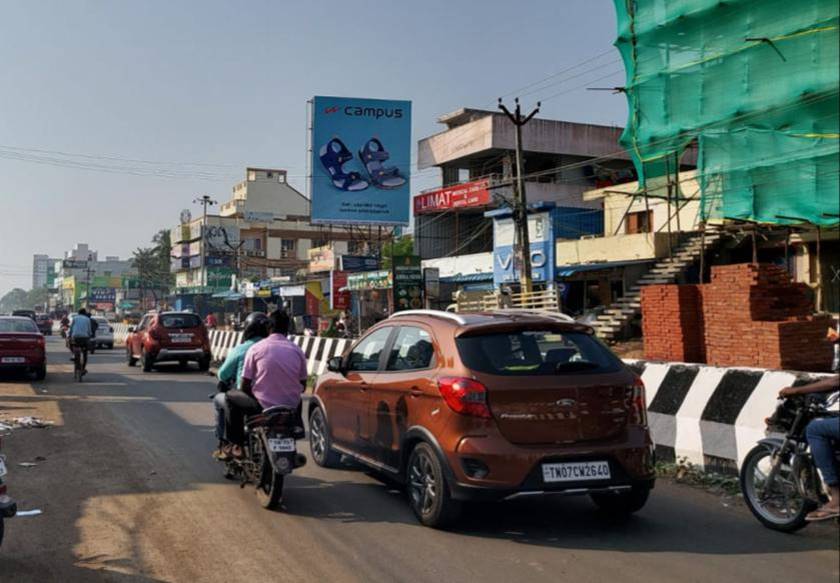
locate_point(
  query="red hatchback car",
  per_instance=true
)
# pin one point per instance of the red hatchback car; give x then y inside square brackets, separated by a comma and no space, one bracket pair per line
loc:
[22,346]
[168,337]
[461,407]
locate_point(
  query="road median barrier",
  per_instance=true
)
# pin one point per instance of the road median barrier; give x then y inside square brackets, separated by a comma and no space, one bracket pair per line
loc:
[708,416]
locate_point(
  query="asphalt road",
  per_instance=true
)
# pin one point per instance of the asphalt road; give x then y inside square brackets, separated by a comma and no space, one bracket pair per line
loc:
[129,492]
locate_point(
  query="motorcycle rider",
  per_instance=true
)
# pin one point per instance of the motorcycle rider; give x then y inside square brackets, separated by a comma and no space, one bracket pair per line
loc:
[65,325]
[230,373]
[274,374]
[820,434]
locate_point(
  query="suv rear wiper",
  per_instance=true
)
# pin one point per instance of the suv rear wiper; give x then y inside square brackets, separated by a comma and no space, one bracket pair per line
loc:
[574,365]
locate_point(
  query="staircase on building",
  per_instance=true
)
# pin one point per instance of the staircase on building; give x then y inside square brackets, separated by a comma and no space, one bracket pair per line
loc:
[614,320]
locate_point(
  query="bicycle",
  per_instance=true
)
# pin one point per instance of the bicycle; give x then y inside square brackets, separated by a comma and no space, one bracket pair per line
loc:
[80,358]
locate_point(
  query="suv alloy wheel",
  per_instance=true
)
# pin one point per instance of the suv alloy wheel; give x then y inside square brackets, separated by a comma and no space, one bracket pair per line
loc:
[319,441]
[428,490]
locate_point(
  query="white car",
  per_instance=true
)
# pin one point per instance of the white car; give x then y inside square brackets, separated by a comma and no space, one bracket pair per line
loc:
[104,336]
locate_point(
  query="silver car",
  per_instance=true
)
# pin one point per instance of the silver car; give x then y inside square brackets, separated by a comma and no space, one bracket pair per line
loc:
[104,336]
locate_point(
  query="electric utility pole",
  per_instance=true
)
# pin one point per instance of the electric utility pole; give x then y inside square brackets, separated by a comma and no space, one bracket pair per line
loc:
[520,200]
[204,201]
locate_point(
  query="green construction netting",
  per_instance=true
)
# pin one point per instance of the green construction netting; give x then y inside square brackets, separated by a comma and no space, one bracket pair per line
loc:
[754,83]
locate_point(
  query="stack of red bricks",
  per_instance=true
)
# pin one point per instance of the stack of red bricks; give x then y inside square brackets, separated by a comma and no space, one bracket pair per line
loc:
[749,315]
[672,323]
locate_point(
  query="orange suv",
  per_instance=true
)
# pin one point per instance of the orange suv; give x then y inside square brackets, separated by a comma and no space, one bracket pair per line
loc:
[459,407]
[168,337]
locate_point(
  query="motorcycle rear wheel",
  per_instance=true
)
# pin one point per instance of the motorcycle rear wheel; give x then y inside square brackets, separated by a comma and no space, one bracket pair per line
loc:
[791,517]
[270,486]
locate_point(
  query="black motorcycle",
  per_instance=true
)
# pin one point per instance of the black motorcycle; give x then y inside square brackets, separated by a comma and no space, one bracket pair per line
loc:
[269,454]
[779,478]
[8,507]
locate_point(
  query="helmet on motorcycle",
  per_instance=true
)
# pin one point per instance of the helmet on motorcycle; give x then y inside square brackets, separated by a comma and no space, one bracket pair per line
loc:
[256,326]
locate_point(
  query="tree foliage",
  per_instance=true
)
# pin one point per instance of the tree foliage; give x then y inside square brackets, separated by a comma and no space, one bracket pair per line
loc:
[20,299]
[153,265]
[402,246]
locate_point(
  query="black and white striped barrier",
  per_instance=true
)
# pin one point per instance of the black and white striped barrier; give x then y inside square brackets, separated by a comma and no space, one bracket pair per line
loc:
[120,333]
[709,415]
[318,350]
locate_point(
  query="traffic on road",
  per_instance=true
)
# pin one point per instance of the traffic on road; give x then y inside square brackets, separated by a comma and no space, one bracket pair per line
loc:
[452,448]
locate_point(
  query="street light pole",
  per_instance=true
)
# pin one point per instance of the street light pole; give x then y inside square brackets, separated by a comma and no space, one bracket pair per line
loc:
[520,200]
[87,281]
[204,201]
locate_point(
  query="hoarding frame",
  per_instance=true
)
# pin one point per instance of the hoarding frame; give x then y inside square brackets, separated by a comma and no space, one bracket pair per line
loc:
[368,121]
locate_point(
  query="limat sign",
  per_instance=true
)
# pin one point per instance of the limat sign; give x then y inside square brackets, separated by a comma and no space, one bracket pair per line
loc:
[466,195]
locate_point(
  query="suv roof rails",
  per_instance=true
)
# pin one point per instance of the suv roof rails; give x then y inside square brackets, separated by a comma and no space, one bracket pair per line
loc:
[535,312]
[437,313]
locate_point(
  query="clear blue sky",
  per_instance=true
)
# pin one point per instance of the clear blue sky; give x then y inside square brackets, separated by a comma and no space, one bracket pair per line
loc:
[204,88]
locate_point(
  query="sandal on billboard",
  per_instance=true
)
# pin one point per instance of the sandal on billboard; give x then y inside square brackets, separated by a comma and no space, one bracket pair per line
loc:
[373,155]
[334,154]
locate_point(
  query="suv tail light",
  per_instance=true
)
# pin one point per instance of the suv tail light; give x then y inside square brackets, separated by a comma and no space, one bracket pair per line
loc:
[465,396]
[42,342]
[636,405]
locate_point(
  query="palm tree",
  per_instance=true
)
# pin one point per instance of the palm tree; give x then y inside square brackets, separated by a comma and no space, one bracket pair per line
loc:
[163,252]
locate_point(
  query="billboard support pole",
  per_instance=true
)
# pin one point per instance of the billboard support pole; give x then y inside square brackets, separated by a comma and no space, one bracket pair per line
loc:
[520,208]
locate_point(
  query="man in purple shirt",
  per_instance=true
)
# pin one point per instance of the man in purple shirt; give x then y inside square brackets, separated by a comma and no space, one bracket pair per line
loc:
[275,369]
[274,374]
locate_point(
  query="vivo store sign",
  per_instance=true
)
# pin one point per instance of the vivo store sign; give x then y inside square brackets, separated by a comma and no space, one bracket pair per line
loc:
[541,232]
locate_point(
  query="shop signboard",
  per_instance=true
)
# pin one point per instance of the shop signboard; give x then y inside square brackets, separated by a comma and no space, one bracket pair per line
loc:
[408,282]
[74,264]
[355,263]
[321,259]
[100,295]
[258,217]
[223,238]
[290,291]
[361,161]
[466,195]
[316,302]
[365,280]
[220,261]
[431,282]
[505,263]
[339,296]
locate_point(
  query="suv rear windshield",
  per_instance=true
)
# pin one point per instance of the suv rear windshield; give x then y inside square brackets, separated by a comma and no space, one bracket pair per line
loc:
[17,325]
[536,352]
[180,321]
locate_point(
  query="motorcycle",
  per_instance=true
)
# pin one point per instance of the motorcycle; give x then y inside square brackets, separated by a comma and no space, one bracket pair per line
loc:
[64,330]
[269,454]
[779,479]
[8,507]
